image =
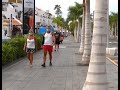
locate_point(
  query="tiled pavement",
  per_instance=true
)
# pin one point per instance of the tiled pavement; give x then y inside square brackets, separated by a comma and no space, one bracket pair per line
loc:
[63,75]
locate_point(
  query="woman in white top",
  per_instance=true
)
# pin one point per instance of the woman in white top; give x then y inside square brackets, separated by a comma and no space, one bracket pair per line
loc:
[30,46]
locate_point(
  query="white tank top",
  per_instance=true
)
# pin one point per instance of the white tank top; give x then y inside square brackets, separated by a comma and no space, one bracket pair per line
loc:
[48,39]
[30,43]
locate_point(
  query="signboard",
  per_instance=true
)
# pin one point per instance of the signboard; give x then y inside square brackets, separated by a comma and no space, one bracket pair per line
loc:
[28,16]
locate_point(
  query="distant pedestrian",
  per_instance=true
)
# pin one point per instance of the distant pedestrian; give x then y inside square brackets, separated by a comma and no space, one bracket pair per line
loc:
[61,38]
[49,41]
[57,41]
[30,46]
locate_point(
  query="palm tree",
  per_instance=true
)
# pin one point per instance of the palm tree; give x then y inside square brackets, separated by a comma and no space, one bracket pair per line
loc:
[58,11]
[113,20]
[57,20]
[61,23]
[71,28]
[87,40]
[73,14]
[96,77]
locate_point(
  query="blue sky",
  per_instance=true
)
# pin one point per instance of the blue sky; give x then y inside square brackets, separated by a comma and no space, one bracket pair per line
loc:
[50,4]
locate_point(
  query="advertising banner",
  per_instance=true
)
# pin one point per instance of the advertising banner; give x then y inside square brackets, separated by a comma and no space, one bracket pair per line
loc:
[28,16]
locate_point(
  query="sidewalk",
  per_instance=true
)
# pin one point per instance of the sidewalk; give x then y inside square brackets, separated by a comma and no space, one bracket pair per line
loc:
[63,75]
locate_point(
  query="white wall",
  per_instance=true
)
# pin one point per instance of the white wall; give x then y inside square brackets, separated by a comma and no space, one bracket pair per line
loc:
[18,6]
[10,10]
[40,16]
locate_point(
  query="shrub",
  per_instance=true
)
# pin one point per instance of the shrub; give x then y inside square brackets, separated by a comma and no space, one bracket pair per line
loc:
[13,48]
[39,41]
[8,53]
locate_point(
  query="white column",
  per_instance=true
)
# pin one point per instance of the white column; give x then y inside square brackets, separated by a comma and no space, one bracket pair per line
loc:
[108,25]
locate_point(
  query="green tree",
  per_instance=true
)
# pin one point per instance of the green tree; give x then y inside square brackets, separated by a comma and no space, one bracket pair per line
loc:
[74,13]
[113,22]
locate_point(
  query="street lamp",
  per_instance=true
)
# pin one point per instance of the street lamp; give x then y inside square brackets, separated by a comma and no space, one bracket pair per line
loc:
[10,26]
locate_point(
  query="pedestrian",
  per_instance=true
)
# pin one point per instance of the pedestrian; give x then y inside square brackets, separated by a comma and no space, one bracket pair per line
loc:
[57,41]
[49,41]
[30,46]
[61,38]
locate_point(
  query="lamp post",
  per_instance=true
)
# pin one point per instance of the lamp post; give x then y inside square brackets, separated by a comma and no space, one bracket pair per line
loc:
[10,26]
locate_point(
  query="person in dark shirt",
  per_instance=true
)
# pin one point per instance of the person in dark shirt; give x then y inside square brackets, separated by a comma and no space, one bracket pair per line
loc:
[57,37]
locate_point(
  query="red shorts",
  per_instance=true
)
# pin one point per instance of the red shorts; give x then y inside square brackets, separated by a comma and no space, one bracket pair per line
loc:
[48,48]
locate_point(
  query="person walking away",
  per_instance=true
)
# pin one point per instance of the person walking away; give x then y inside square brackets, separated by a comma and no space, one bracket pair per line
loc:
[57,38]
[61,38]
[30,46]
[49,41]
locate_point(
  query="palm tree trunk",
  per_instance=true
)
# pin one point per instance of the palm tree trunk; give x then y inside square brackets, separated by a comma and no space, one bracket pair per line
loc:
[87,43]
[81,49]
[112,31]
[75,34]
[96,77]
[115,30]
[107,26]
[78,32]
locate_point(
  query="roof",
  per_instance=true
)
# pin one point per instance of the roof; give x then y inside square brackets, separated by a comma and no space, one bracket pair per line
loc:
[14,22]
[39,9]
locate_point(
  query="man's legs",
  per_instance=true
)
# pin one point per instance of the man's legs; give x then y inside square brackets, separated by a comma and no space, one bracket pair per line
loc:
[44,56]
[50,54]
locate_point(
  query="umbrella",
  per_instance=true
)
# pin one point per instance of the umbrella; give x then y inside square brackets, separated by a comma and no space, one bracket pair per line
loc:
[41,30]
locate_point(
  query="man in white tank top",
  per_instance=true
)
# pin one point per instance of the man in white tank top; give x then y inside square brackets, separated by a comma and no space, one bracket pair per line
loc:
[49,41]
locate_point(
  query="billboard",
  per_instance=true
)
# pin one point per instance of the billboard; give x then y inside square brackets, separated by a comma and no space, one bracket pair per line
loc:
[28,16]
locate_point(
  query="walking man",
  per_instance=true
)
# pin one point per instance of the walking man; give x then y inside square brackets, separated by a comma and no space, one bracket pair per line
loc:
[49,41]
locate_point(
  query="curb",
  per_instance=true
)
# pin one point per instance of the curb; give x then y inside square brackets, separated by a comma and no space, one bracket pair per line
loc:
[112,61]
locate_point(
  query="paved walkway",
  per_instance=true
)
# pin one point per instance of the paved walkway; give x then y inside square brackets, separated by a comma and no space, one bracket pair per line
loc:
[63,75]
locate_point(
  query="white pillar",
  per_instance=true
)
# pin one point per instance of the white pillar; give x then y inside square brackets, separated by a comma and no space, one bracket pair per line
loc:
[108,25]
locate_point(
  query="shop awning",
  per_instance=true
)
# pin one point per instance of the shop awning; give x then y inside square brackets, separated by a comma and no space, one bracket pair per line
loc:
[14,22]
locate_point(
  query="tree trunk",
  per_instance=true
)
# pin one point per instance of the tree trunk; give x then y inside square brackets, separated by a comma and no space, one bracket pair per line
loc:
[78,32]
[75,34]
[107,26]
[87,43]
[81,49]
[112,31]
[115,31]
[97,77]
